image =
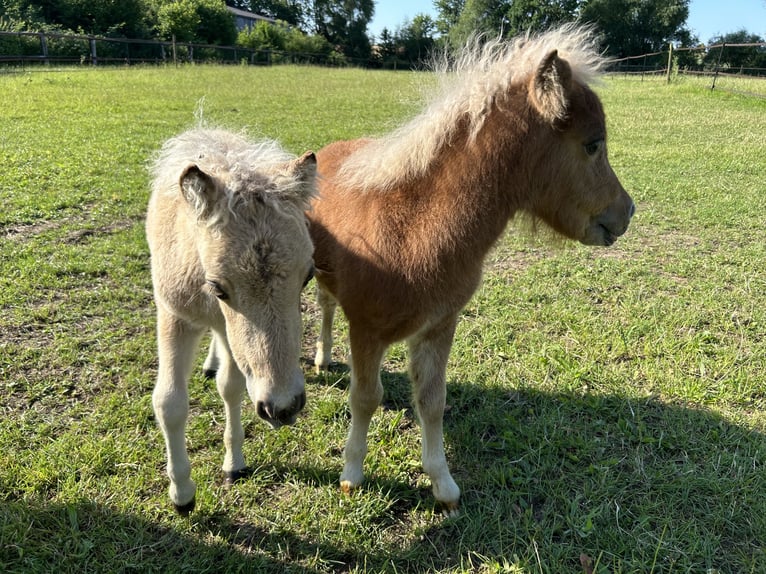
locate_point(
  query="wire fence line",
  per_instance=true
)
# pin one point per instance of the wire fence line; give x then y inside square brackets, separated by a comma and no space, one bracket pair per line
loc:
[32,49]
[26,49]
[701,62]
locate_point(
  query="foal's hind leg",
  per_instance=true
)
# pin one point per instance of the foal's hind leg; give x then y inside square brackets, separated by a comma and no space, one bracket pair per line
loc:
[231,386]
[428,364]
[364,397]
[212,361]
[324,345]
[176,344]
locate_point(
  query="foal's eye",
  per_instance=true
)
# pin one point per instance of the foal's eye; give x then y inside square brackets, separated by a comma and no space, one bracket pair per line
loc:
[592,148]
[215,287]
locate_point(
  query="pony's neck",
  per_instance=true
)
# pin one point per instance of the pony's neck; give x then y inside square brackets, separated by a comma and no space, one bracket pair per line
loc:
[475,187]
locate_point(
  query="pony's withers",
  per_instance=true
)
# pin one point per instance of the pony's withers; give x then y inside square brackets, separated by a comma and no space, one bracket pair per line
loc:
[230,252]
[403,222]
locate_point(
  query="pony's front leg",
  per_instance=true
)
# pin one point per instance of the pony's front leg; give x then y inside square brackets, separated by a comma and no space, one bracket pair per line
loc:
[328,305]
[176,345]
[429,352]
[231,386]
[364,397]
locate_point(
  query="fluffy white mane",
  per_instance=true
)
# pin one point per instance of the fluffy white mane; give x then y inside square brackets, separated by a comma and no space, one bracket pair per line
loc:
[241,165]
[469,83]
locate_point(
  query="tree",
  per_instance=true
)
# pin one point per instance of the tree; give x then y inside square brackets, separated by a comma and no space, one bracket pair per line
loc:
[206,21]
[742,60]
[294,12]
[502,17]
[344,24]
[105,18]
[635,27]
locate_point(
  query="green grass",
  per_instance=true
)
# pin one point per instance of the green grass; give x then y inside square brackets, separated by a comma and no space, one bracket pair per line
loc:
[606,406]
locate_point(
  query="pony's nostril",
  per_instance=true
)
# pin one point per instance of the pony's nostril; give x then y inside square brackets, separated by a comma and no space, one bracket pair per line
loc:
[265,410]
[632,209]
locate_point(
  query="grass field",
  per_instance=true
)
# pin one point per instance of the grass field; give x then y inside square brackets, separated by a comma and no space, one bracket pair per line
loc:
[607,407]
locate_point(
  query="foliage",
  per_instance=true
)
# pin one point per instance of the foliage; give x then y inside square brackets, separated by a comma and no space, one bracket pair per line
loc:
[505,17]
[280,36]
[635,27]
[294,12]
[344,24]
[178,20]
[745,59]
[410,45]
[125,18]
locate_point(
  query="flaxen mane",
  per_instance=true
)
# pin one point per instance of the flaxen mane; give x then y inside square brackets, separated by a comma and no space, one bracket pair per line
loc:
[231,158]
[470,82]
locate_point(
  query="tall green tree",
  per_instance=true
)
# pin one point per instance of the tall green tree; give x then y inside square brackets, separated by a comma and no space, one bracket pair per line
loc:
[503,17]
[206,21]
[344,24]
[635,27]
[294,12]
[127,18]
[735,59]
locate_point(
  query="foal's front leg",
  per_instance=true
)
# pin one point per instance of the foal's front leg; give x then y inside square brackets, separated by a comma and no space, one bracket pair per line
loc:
[328,305]
[429,352]
[176,345]
[364,398]
[231,386]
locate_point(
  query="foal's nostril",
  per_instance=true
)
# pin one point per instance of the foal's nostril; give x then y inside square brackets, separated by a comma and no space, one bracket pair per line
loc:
[265,410]
[632,209]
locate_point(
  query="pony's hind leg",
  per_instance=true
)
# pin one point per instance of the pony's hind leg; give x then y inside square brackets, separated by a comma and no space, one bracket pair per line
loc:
[176,344]
[429,352]
[231,386]
[364,398]
[328,305]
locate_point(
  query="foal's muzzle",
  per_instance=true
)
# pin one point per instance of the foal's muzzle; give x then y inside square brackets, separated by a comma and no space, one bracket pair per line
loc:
[279,417]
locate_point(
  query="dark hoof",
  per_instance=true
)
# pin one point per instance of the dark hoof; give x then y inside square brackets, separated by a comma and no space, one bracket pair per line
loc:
[234,476]
[185,509]
[209,373]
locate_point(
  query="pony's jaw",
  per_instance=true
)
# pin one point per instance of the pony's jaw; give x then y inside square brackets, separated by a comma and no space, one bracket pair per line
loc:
[604,229]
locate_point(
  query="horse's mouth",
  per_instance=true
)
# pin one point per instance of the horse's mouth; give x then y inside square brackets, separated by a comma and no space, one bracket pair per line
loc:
[609,236]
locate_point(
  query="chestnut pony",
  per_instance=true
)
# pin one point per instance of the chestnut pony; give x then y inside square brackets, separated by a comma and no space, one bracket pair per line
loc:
[403,222]
[230,253]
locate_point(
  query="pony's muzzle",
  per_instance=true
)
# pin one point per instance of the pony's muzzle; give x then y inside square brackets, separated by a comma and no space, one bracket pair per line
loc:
[279,417]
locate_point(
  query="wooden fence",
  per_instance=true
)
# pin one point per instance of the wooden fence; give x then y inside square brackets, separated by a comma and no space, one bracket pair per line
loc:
[31,48]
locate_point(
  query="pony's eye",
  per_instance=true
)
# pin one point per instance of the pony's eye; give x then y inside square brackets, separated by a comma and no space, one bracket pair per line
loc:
[216,289]
[592,148]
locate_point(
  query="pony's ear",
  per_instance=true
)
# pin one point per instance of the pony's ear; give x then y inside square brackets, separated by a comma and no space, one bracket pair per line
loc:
[305,167]
[198,189]
[304,170]
[550,88]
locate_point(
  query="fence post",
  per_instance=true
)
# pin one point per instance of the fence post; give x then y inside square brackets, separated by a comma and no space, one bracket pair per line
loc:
[670,59]
[718,65]
[44,47]
[175,62]
[93,55]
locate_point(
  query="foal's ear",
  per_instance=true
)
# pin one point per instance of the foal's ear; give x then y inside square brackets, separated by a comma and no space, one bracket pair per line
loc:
[197,188]
[306,166]
[304,170]
[550,88]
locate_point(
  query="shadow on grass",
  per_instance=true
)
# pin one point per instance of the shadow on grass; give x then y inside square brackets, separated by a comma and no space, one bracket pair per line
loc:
[546,478]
